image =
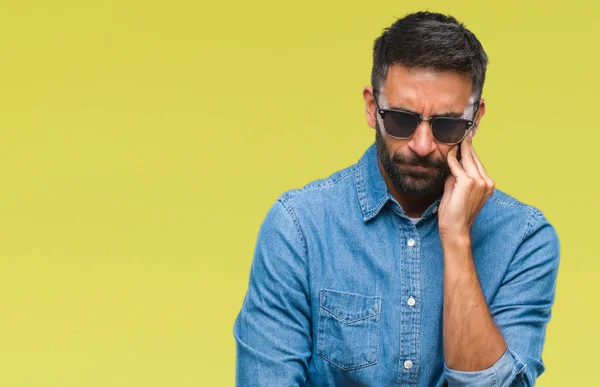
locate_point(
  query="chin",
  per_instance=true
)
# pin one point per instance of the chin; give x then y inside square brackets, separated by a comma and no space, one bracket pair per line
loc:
[417,186]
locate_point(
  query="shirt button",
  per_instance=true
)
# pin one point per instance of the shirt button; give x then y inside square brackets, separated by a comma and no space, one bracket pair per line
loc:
[411,242]
[434,209]
[408,364]
[411,301]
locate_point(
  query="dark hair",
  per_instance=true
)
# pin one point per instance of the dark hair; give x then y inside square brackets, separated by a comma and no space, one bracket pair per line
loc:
[433,41]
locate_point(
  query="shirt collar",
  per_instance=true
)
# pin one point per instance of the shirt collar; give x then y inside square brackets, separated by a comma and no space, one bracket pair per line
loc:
[370,185]
[372,191]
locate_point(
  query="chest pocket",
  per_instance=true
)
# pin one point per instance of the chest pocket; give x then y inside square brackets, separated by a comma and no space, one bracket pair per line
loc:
[348,330]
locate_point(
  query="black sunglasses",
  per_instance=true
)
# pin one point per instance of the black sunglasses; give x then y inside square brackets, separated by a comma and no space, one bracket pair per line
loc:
[403,124]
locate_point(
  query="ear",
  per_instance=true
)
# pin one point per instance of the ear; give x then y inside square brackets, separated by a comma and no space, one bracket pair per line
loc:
[370,108]
[480,113]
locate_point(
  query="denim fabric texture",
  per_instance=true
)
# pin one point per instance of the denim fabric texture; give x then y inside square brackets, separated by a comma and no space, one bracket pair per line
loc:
[345,290]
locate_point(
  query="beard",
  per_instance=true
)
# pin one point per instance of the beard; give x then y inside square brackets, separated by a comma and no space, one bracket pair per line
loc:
[410,181]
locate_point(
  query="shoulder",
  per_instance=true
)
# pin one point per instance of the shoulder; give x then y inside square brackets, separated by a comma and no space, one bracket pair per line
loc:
[523,219]
[321,205]
[340,185]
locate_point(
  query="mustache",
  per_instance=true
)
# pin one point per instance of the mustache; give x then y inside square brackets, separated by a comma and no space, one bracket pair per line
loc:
[418,160]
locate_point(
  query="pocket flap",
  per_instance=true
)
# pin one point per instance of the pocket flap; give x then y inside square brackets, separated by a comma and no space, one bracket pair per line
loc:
[349,307]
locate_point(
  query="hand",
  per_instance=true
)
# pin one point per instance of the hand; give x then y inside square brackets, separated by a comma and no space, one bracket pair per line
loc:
[465,192]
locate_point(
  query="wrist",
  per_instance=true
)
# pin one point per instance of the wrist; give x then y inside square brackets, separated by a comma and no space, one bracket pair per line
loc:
[458,256]
[456,240]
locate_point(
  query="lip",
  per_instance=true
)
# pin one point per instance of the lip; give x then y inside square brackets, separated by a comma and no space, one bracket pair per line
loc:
[420,167]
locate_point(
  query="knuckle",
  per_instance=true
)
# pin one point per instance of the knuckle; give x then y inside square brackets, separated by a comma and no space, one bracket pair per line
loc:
[491,186]
[479,184]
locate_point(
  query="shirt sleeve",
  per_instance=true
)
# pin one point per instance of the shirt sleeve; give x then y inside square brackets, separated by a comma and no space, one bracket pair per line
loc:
[521,309]
[272,331]
[504,372]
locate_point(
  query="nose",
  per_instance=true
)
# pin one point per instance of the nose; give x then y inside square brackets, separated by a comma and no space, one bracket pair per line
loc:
[422,142]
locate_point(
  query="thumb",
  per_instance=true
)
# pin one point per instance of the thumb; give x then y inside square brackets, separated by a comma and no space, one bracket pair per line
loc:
[448,189]
[449,185]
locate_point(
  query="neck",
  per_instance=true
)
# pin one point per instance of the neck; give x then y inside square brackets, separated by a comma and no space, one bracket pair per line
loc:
[413,205]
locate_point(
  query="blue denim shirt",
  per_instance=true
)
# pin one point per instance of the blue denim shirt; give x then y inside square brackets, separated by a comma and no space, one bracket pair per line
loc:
[345,290]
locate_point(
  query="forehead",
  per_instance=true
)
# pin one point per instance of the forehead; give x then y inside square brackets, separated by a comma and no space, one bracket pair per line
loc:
[427,89]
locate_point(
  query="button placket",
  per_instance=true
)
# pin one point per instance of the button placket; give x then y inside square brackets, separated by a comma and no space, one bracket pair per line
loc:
[410,264]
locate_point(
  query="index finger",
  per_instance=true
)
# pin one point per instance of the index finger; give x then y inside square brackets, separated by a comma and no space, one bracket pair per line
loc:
[455,167]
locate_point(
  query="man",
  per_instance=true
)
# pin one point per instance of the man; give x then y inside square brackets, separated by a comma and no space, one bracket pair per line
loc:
[409,267]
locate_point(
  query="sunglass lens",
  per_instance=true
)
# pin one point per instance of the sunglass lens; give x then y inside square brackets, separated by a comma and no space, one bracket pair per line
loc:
[400,124]
[449,130]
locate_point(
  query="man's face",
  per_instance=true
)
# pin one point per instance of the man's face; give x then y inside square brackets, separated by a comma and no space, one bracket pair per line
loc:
[417,166]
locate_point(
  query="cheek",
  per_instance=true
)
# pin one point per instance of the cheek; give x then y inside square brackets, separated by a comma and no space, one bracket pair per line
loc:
[444,149]
[396,146]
